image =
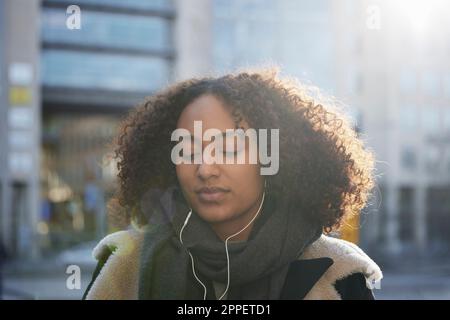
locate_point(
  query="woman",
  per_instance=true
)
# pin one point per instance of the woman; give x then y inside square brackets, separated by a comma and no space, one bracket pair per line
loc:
[224,230]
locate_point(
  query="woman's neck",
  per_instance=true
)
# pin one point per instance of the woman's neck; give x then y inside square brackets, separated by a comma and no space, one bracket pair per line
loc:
[228,228]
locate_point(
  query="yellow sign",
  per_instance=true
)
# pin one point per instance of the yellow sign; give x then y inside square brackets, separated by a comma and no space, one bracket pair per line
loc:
[19,96]
[350,229]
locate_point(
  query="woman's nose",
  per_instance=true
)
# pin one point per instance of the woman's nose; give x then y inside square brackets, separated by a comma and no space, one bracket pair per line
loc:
[208,168]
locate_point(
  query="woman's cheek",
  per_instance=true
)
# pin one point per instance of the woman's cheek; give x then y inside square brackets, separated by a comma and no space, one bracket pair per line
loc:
[185,178]
[246,181]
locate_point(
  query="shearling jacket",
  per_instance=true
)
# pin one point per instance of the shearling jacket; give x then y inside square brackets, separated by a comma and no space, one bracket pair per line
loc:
[329,269]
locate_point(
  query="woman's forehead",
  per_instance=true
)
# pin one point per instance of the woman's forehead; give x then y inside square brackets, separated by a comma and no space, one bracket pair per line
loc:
[212,113]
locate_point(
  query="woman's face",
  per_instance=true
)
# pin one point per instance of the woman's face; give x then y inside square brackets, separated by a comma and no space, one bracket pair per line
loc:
[225,195]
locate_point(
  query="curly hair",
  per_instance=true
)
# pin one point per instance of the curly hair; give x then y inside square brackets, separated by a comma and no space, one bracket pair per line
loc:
[325,170]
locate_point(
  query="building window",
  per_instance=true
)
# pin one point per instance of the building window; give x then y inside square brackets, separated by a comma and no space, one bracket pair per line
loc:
[432,159]
[110,30]
[103,71]
[137,4]
[122,45]
[430,118]
[408,158]
[78,175]
[438,218]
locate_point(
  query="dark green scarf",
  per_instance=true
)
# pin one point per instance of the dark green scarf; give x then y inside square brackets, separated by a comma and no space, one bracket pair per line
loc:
[258,266]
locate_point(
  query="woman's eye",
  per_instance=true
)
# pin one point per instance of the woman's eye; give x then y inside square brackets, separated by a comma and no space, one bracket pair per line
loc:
[189,150]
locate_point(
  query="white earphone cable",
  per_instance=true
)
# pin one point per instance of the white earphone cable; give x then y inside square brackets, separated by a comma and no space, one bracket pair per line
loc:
[232,236]
[192,258]
[226,249]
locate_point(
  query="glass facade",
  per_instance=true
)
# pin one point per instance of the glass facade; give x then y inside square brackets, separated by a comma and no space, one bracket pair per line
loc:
[297,35]
[108,29]
[77,175]
[137,4]
[408,158]
[112,50]
[122,46]
[103,71]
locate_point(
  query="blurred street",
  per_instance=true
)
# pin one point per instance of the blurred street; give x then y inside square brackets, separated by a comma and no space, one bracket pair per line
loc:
[46,279]
[431,282]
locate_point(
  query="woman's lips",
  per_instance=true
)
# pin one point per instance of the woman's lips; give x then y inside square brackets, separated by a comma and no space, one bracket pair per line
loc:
[211,194]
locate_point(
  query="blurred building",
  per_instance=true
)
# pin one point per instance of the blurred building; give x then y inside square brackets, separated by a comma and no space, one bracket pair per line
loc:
[20,125]
[69,74]
[295,35]
[393,66]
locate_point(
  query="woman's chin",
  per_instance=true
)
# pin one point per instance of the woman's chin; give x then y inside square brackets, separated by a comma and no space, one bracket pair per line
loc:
[215,215]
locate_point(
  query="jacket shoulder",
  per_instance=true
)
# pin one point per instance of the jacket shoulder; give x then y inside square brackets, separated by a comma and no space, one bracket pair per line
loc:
[116,275]
[348,259]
